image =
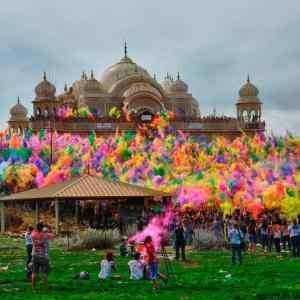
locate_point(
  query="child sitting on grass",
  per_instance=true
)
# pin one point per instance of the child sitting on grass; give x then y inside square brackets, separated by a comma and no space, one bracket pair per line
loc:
[136,267]
[107,266]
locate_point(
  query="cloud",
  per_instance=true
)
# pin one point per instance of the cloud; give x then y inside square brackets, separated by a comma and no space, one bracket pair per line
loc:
[214,45]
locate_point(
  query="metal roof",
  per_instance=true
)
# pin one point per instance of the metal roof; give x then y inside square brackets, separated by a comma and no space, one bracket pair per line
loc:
[86,187]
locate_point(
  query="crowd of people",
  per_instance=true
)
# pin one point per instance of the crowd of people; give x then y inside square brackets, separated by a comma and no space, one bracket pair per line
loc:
[240,232]
[270,230]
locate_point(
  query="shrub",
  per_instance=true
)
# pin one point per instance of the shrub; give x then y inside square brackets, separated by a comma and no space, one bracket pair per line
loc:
[91,238]
[206,240]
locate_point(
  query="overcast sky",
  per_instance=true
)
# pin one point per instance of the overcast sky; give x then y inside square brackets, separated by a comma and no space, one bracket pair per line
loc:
[214,44]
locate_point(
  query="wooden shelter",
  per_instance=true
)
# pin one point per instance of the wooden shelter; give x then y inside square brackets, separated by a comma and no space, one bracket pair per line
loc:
[86,187]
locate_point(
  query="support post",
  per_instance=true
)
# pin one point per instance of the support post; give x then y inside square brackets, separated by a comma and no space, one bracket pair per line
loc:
[36,216]
[2,212]
[56,216]
[77,211]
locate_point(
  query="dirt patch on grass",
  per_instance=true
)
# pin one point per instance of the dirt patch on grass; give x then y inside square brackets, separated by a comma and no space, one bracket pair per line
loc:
[190,264]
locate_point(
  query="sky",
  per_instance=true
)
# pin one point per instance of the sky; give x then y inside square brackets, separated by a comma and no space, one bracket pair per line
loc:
[213,44]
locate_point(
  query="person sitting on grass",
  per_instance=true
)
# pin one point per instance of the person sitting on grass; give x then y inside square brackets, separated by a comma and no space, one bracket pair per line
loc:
[123,248]
[107,265]
[131,250]
[136,267]
[152,263]
[235,237]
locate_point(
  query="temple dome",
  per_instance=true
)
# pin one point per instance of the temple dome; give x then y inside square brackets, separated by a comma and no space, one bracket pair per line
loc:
[121,70]
[45,90]
[166,83]
[92,85]
[248,90]
[18,111]
[178,86]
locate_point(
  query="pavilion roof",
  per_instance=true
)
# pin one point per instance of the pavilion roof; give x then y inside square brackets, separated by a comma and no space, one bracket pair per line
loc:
[86,187]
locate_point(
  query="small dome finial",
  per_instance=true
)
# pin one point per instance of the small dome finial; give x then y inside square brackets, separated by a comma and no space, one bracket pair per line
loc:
[92,74]
[45,76]
[18,100]
[248,78]
[66,87]
[125,48]
[178,76]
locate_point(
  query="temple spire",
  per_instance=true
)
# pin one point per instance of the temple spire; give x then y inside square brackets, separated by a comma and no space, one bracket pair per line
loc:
[214,112]
[66,87]
[18,101]
[125,49]
[92,74]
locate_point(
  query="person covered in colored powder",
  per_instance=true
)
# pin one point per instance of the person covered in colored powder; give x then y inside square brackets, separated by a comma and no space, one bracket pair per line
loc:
[40,253]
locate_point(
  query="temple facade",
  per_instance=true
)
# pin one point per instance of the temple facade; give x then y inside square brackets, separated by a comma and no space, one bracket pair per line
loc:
[128,85]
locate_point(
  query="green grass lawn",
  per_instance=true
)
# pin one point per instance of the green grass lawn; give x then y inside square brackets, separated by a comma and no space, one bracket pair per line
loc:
[206,276]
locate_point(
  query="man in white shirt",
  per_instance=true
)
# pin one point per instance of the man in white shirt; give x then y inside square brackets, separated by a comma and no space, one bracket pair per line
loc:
[136,267]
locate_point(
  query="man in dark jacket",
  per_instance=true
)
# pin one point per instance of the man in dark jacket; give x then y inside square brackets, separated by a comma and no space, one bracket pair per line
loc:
[180,241]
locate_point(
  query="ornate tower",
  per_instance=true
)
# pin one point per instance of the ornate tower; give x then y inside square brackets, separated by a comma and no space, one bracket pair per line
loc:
[18,120]
[249,107]
[44,104]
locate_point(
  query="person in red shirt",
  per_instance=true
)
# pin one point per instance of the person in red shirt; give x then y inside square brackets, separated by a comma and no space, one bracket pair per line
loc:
[40,259]
[152,262]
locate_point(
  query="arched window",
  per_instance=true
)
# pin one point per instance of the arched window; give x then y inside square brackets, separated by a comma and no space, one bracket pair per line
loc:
[253,116]
[245,116]
[38,111]
[46,112]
